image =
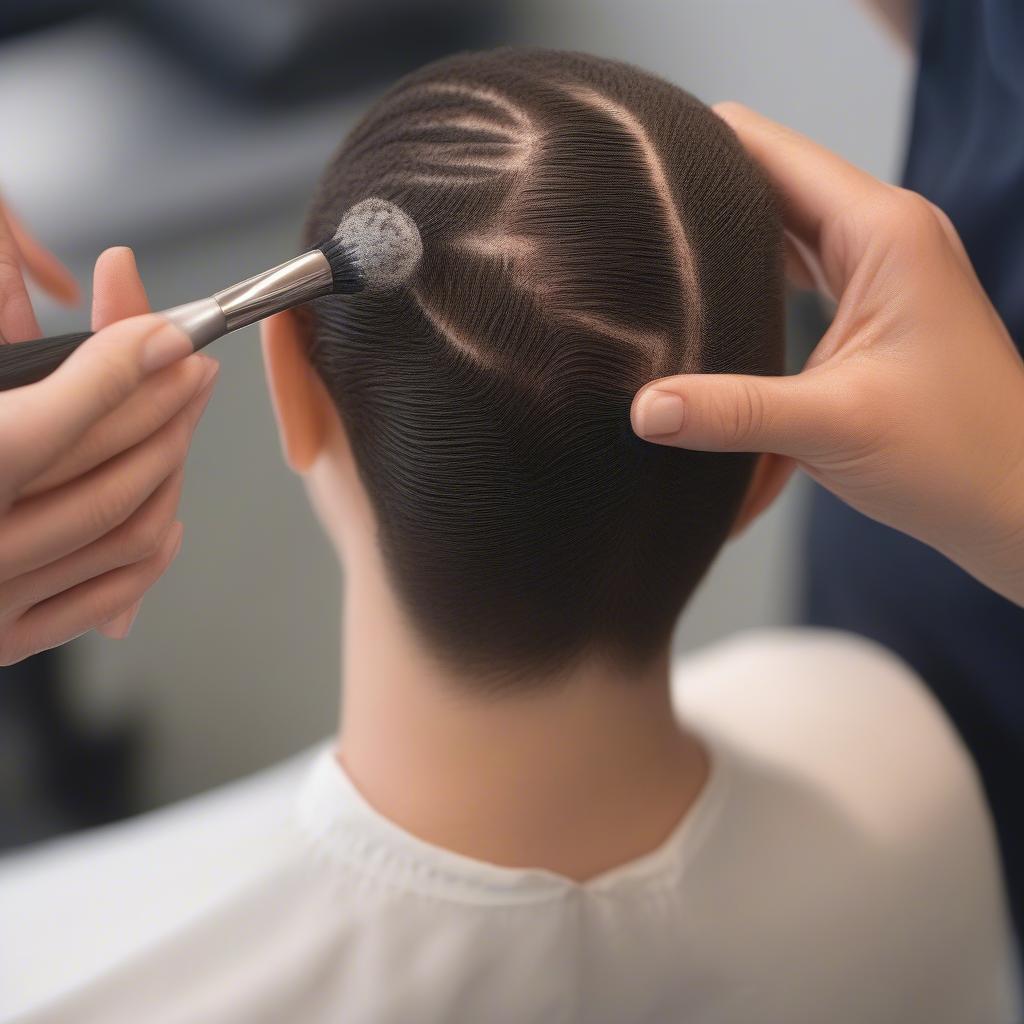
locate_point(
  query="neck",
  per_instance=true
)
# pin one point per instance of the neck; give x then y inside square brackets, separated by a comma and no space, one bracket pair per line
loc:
[575,776]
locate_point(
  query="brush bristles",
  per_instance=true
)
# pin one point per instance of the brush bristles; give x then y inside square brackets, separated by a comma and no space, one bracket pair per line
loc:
[29,361]
[345,272]
[384,245]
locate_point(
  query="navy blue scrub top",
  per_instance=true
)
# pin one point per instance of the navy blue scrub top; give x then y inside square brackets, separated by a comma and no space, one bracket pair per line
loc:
[966,154]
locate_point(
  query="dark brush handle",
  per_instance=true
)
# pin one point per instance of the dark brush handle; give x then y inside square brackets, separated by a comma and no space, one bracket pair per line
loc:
[25,362]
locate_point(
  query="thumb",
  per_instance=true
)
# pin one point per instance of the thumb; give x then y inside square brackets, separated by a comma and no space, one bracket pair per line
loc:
[733,413]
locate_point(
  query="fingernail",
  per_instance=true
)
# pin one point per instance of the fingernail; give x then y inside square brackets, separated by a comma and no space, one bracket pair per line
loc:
[658,413]
[122,625]
[168,344]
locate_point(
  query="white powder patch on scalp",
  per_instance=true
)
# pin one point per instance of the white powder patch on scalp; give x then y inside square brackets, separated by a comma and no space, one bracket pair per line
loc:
[385,242]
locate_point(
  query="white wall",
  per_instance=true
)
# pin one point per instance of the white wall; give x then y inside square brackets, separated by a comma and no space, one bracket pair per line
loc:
[824,67]
[233,661]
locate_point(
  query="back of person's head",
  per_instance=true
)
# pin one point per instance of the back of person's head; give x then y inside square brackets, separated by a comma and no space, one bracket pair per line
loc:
[586,227]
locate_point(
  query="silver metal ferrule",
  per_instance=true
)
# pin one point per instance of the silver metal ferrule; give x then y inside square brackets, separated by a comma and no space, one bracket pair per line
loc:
[203,321]
[306,277]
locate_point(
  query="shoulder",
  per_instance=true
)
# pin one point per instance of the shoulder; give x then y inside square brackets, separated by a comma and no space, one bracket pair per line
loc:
[778,655]
[843,712]
[830,703]
[847,774]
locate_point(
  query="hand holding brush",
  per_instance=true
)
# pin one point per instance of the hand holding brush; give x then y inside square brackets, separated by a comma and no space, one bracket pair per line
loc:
[376,246]
[92,451]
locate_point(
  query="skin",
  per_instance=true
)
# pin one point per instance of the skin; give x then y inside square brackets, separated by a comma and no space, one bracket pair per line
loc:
[911,408]
[576,777]
[92,457]
[21,253]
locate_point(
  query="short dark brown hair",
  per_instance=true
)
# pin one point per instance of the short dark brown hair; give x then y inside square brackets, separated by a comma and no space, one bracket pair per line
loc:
[586,227]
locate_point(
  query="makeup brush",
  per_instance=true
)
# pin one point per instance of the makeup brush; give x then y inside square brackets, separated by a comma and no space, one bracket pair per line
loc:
[377,246]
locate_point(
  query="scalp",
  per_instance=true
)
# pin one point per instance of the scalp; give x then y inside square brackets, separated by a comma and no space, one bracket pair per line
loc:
[586,227]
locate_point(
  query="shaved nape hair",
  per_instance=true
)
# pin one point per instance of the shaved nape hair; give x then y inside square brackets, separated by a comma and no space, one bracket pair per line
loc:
[586,228]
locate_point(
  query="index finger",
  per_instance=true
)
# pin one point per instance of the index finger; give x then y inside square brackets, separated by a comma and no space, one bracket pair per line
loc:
[42,420]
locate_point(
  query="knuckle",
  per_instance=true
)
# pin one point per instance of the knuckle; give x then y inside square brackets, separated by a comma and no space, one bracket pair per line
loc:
[744,419]
[113,375]
[113,506]
[117,377]
[904,222]
[913,215]
[915,203]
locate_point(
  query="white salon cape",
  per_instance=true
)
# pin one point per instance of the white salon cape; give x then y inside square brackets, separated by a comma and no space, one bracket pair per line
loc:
[839,866]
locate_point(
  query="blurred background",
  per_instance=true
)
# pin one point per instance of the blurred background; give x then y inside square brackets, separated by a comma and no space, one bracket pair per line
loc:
[194,131]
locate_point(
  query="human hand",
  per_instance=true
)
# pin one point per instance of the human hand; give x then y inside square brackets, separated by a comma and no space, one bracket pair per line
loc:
[91,466]
[911,408]
[20,252]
